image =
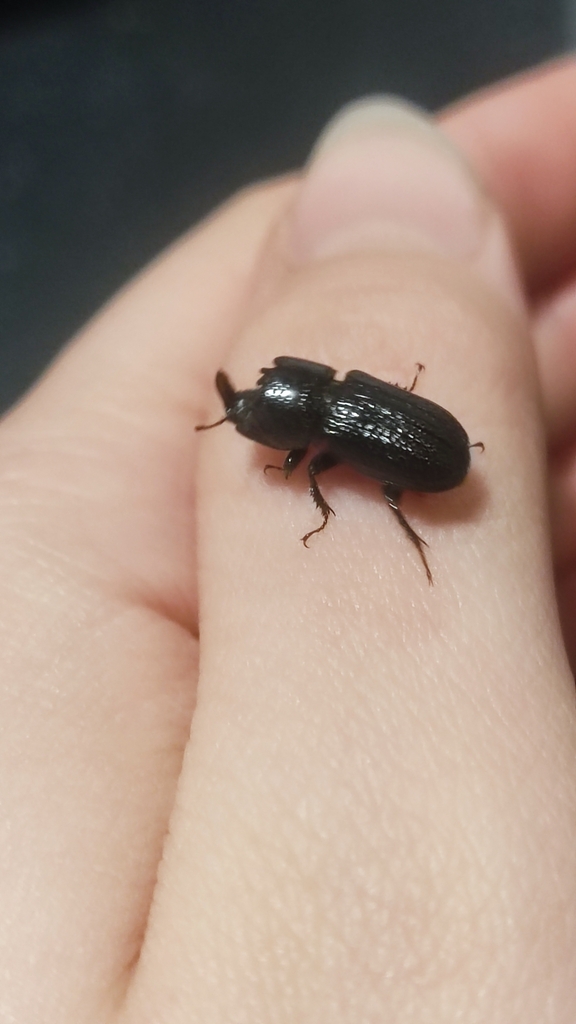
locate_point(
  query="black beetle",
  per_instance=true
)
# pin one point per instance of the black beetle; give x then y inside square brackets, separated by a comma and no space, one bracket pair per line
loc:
[383,430]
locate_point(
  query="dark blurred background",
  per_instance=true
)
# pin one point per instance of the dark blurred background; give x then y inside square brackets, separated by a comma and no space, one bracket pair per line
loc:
[123,122]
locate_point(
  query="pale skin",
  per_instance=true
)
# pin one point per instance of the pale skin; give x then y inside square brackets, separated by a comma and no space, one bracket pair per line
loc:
[373,817]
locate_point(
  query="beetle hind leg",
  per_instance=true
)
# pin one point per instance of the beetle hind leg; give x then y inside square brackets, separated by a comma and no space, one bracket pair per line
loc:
[393,495]
[319,464]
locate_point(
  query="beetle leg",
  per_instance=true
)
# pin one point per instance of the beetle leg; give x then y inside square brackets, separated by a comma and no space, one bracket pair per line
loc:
[419,368]
[393,495]
[293,459]
[319,464]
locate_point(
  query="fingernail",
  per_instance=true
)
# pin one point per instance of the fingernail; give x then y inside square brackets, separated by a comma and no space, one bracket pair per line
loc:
[382,175]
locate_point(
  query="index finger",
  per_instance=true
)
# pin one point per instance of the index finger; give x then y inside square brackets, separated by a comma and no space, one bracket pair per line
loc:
[364,748]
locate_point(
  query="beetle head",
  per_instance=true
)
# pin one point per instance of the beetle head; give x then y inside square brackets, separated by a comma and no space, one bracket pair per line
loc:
[284,410]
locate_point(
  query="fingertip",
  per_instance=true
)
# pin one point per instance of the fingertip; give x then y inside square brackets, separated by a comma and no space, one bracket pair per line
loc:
[384,176]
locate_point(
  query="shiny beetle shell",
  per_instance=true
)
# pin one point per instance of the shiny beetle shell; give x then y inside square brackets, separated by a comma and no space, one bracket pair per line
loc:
[384,431]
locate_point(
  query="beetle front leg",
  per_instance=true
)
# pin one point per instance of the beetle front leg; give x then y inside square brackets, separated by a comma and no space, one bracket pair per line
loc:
[292,460]
[319,464]
[393,495]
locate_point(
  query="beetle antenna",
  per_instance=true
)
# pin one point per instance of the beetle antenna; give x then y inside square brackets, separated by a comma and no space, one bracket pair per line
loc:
[208,426]
[228,396]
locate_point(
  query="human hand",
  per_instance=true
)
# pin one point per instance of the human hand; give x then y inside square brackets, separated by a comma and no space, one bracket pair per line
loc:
[374,817]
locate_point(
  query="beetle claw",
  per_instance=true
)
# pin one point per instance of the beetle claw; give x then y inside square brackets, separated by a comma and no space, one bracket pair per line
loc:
[327,514]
